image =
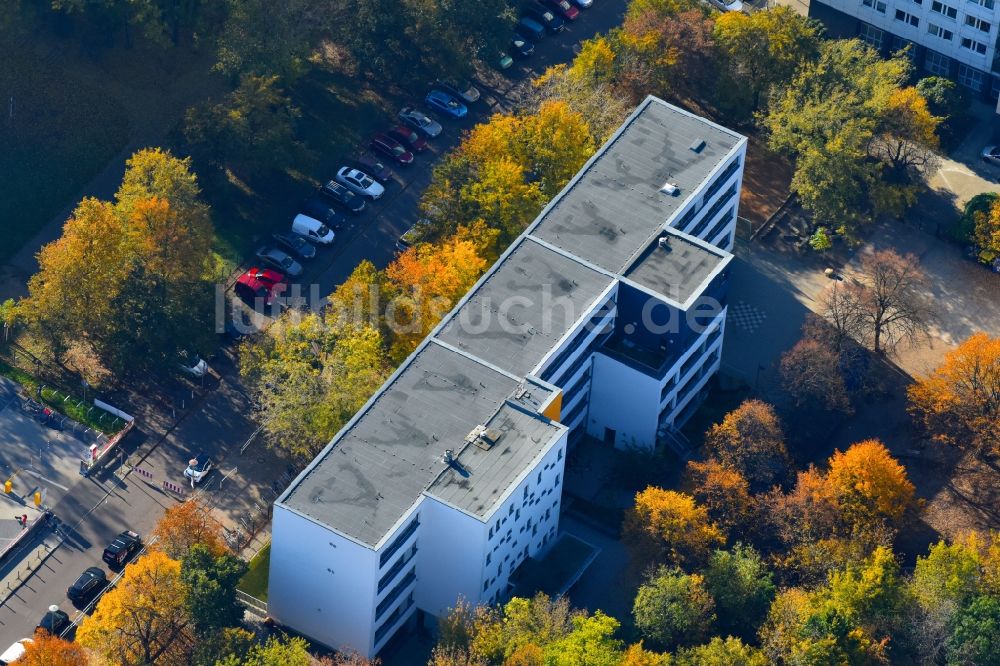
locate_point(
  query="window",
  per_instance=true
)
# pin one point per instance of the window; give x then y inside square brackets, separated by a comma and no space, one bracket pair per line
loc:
[971,78]
[871,35]
[907,18]
[878,6]
[983,3]
[978,23]
[973,45]
[398,541]
[943,9]
[937,64]
[559,454]
[938,31]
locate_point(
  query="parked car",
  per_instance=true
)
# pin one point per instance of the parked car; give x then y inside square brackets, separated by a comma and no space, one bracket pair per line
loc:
[409,138]
[192,364]
[312,229]
[87,586]
[727,5]
[373,166]
[991,155]
[199,466]
[359,182]
[531,28]
[550,21]
[15,651]
[420,121]
[394,150]
[445,103]
[295,245]
[521,47]
[503,61]
[562,8]
[279,260]
[54,622]
[583,4]
[339,195]
[259,285]
[122,548]
[409,237]
[463,90]
[318,209]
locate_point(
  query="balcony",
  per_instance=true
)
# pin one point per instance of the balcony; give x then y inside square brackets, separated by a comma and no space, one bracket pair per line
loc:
[652,362]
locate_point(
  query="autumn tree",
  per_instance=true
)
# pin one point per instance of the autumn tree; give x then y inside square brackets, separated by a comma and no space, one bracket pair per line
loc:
[724,493]
[868,485]
[266,39]
[210,582]
[670,525]
[959,402]
[986,233]
[810,372]
[727,651]
[48,650]
[587,88]
[276,650]
[183,526]
[906,135]
[750,440]
[143,620]
[673,608]
[779,39]
[742,587]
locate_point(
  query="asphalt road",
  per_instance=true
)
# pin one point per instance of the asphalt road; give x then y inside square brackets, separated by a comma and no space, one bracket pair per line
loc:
[218,420]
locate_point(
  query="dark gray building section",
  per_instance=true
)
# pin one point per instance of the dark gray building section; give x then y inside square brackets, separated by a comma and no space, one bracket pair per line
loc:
[479,476]
[529,300]
[370,477]
[616,203]
[676,267]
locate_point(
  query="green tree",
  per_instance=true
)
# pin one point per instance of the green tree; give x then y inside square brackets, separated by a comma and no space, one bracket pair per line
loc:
[210,582]
[780,40]
[220,645]
[986,234]
[673,608]
[944,97]
[964,227]
[976,633]
[721,652]
[265,39]
[742,587]
[277,651]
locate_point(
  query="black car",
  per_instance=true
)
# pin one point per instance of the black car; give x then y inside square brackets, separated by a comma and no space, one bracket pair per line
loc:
[546,17]
[87,585]
[339,195]
[54,622]
[521,46]
[372,166]
[295,245]
[122,548]
[318,209]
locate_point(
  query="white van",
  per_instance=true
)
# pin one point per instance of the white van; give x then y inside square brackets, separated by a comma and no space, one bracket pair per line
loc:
[14,652]
[312,229]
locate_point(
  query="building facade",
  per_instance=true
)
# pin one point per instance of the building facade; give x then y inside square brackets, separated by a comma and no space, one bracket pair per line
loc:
[605,317]
[956,39]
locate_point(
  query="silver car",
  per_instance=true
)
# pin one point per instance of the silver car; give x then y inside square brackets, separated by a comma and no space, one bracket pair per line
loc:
[420,121]
[991,155]
[359,182]
[279,260]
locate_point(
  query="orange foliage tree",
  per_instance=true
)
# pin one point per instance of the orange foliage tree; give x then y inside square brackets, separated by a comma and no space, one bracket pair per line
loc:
[751,441]
[869,485]
[184,525]
[959,402]
[48,650]
[724,493]
[671,526]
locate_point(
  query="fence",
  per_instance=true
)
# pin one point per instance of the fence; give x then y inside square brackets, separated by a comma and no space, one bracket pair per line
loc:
[252,602]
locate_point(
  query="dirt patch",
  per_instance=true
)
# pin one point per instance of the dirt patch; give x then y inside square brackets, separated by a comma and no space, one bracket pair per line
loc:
[766,181]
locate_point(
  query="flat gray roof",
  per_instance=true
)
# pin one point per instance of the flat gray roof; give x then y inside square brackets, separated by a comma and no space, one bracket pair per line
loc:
[525,305]
[392,452]
[479,478]
[615,205]
[676,269]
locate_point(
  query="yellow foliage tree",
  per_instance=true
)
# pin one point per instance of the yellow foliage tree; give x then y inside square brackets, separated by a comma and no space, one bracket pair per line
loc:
[595,63]
[142,621]
[750,440]
[671,525]
[959,402]
[986,233]
[869,485]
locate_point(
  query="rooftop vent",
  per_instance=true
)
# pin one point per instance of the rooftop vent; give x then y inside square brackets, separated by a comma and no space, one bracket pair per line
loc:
[698,145]
[670,188]
[664,242]
[448,457]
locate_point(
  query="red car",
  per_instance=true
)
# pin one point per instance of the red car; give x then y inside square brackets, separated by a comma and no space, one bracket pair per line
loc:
[563,8]
[394,150]
[409,138]
[262,283]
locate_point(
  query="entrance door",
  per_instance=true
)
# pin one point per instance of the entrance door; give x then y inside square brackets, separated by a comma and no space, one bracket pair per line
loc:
[609,436]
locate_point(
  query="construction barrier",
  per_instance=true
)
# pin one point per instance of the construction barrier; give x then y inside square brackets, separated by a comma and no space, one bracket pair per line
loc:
[141,472]
[174,488]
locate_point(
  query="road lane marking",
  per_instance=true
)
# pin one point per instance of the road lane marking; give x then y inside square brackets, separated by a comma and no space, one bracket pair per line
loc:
[49,481]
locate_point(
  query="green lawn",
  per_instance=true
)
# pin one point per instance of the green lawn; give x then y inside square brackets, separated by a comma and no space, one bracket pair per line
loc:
[254,582]
[61,135]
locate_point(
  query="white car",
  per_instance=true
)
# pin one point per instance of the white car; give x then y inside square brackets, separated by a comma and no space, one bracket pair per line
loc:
[991,155]
[728,5]
[198,468]
[312,229]
[583,4]
[193,364]
[359,182]
[420,121]
[15,651]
